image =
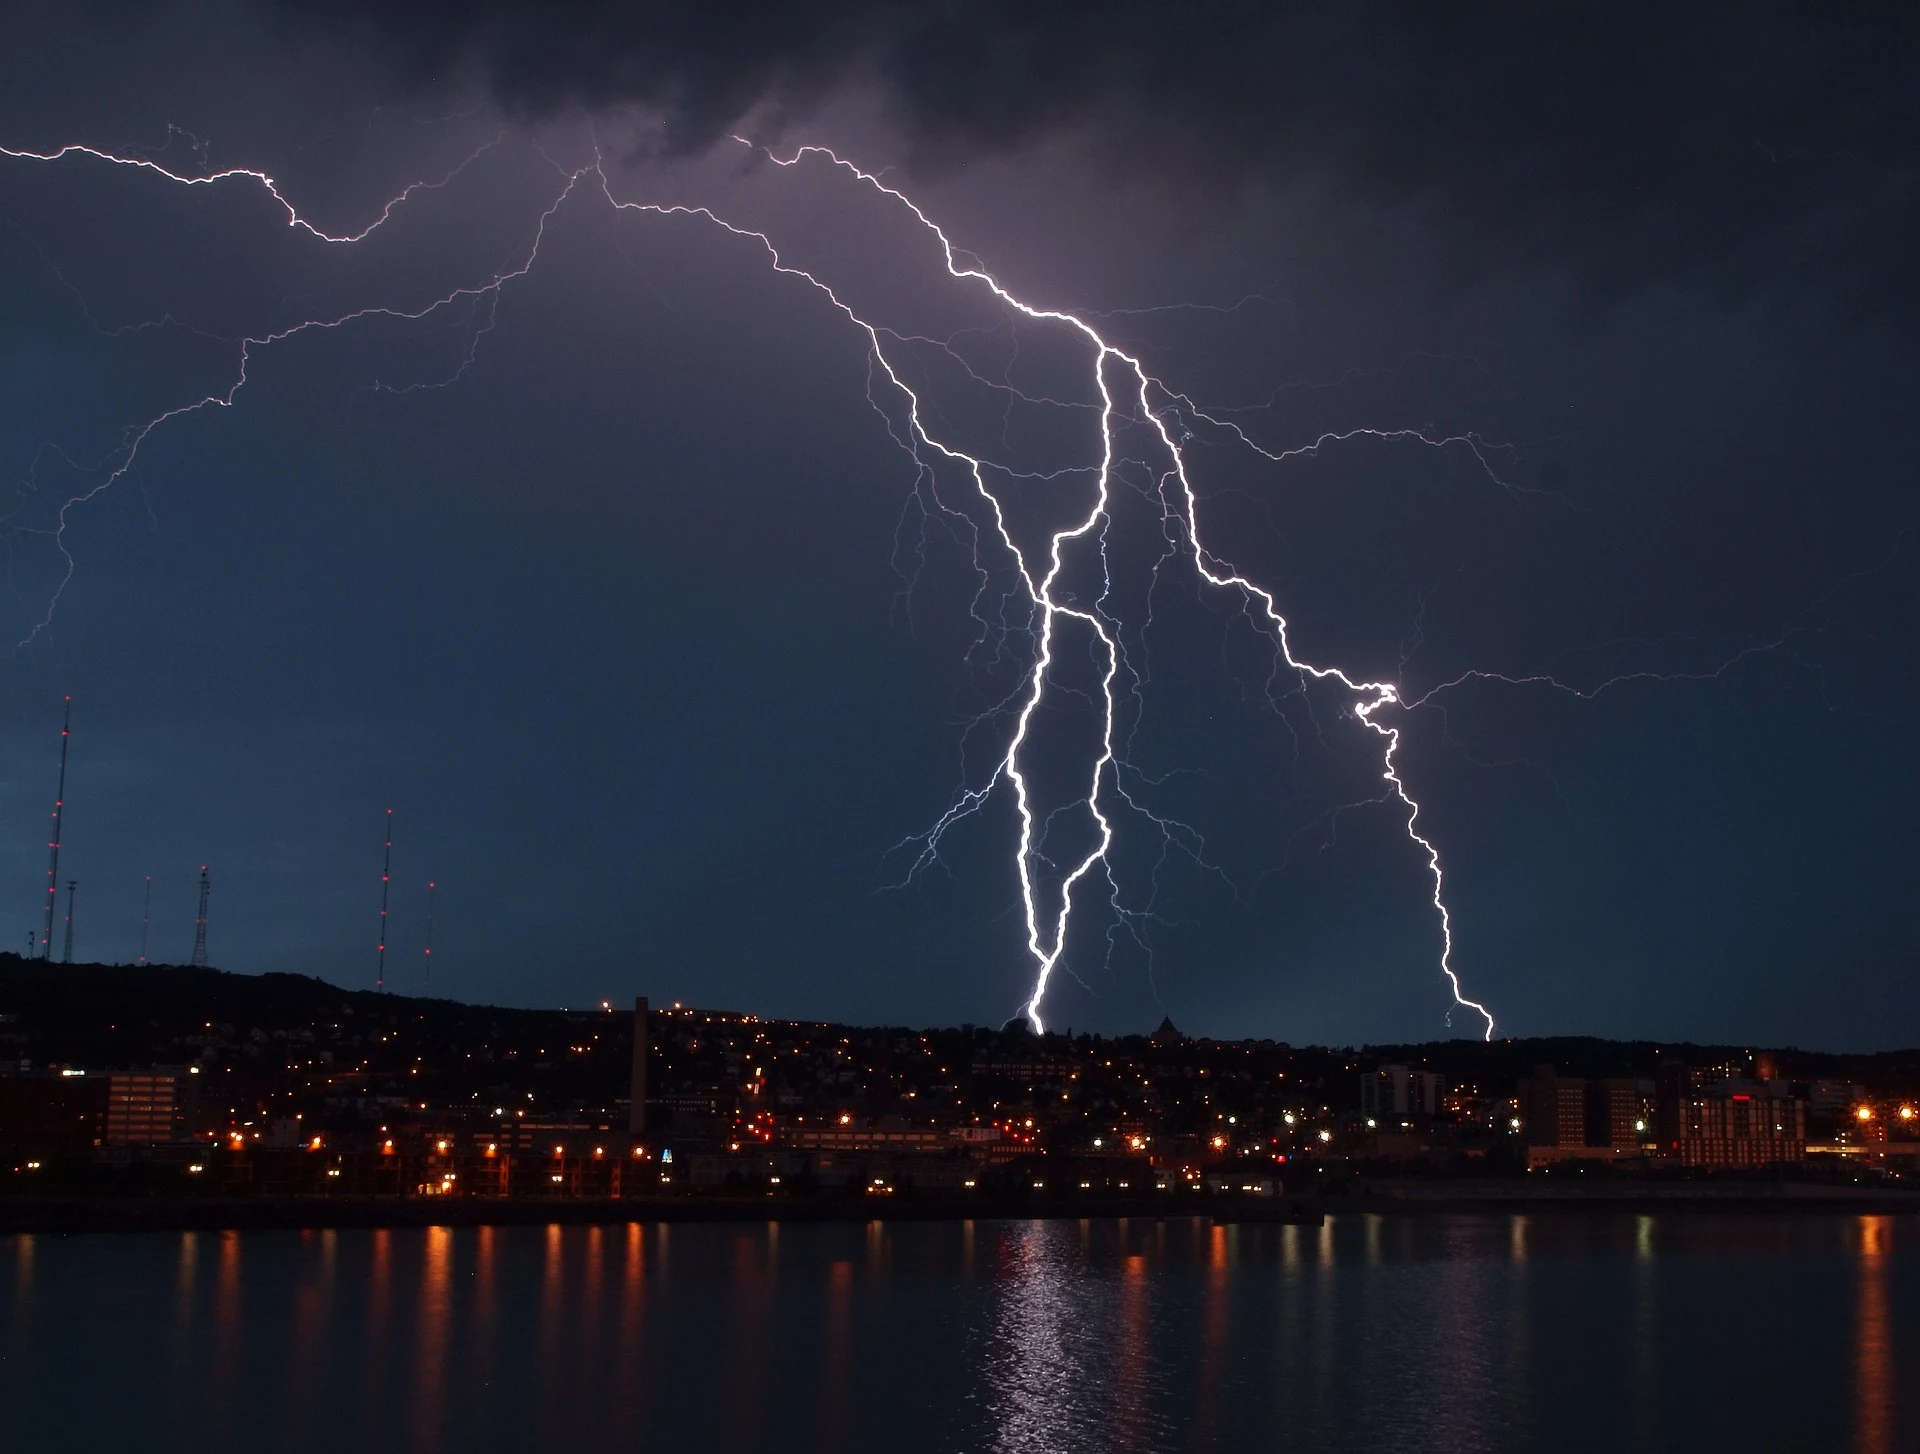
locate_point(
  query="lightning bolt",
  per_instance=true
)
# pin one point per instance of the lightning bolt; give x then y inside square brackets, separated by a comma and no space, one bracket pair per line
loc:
[1047,938]
[1124,398]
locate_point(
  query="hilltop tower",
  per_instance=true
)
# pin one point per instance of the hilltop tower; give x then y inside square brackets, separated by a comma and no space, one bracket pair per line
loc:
[200,923]
[386,871]
[427,954]
[53,846]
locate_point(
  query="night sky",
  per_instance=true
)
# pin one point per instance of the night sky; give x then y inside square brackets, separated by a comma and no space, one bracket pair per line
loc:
[615,585]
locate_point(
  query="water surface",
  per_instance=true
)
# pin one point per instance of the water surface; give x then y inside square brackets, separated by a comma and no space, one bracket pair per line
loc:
[1434,1333]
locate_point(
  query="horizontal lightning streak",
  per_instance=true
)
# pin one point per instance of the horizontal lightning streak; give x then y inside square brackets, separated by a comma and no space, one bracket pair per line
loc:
[248,174]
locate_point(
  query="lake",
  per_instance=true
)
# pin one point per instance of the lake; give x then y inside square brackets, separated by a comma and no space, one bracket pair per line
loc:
[1562,1332]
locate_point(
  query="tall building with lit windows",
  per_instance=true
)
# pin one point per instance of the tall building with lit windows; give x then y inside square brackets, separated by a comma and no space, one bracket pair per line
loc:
[1731,1122]
[1572,1118]
[142,1108]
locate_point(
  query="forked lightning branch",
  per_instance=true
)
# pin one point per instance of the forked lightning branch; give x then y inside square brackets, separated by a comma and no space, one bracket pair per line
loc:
[1126,399]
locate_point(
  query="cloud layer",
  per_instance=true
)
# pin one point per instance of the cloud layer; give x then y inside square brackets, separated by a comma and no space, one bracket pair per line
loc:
[1770,146]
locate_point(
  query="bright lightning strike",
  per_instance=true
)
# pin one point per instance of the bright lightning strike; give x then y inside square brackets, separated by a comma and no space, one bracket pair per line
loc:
[1047,940]
[1126,397]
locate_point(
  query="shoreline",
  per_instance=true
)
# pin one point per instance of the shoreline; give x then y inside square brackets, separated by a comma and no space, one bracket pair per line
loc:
[63,1215]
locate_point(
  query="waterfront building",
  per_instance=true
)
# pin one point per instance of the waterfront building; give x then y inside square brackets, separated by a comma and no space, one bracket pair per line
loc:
[144,1108]
[1575,1118]
[1731,1123]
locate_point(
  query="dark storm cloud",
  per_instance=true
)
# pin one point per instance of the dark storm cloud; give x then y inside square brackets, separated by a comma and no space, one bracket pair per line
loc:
[1765,146]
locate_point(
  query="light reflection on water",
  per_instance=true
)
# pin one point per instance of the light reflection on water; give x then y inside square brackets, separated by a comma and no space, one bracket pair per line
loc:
[1445,1334]
[1873,1358]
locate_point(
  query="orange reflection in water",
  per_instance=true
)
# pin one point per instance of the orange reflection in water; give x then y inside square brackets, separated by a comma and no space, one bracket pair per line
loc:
[836,1348]
[225,1363]
[633,1288]
[1873,1343]
[553,1299]
[1132,1357]
[629,1365]
[1213,1335]
[182,1346]
[430,1361]
[596,1275]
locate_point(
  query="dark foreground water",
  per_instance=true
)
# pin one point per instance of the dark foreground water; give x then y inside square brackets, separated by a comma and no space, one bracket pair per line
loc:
[1431,1334]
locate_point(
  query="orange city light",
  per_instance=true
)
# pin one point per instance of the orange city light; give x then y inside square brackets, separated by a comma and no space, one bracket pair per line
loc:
[1865,1113]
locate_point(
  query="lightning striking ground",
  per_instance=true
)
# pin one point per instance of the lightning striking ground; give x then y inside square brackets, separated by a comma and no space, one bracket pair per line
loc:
[1126,397]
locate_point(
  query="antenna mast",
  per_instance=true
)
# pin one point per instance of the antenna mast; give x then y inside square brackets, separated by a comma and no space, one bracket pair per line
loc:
[146,919]
[386,870]
[200,924]
[53,857]
[66,956]
[429,953]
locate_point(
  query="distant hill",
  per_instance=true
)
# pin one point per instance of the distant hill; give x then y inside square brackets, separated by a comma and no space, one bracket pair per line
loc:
[125,1015]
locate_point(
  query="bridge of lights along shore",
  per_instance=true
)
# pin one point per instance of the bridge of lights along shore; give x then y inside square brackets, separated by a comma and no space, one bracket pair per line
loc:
[1042,506]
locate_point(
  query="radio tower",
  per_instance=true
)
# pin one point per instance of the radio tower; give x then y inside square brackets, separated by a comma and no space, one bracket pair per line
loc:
[386,868]
[146,919]
[53,859]
[429,950]
[66,955]
[200,924]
